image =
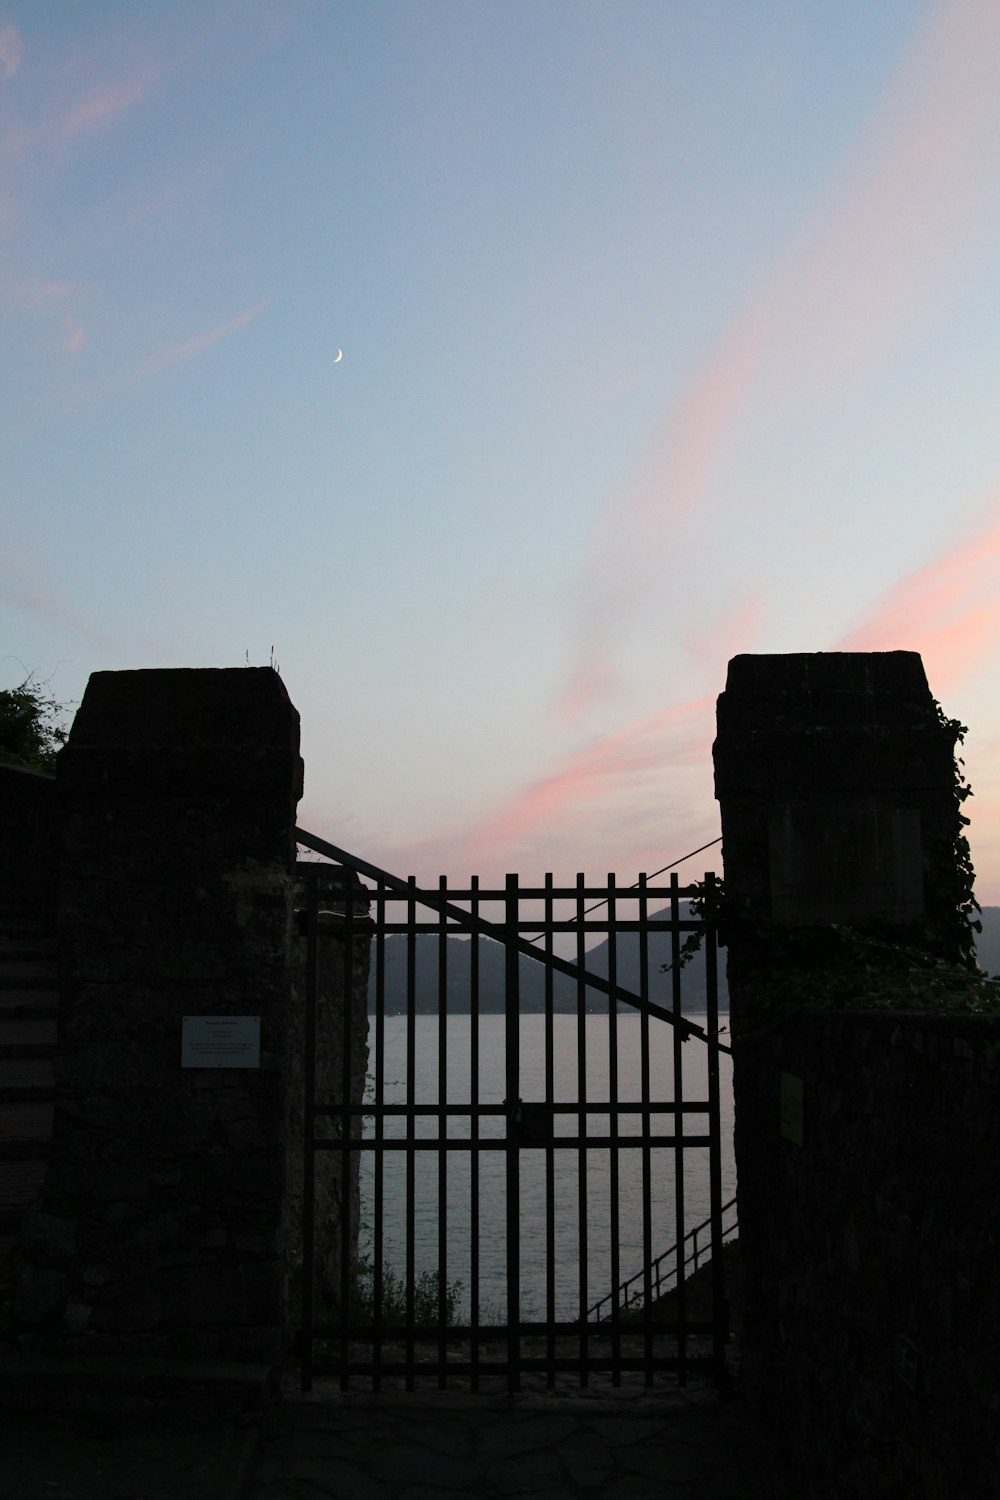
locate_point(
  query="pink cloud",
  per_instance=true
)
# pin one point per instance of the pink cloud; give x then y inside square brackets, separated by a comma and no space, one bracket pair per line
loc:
[661,506]
[882,252]
[35,294]
[635,754]
[75,335]
[892,241]
[62,126]
[731,632]
[11,51]
[188,348]
[48,603]
[949,611]
[38,297]
[102,105]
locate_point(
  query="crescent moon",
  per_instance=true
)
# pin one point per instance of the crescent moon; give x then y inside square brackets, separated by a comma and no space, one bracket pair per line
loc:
[338,356]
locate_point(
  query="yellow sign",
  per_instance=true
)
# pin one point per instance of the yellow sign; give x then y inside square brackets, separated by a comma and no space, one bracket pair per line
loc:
[791,1108]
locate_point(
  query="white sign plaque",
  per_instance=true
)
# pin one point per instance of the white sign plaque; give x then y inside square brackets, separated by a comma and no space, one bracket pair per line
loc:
[220,1042]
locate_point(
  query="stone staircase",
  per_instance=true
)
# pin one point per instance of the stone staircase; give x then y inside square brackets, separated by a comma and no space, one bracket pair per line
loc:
[28,1033]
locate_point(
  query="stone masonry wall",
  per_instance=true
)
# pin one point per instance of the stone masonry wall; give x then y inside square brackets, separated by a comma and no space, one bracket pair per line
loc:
[27,845]
[332,982]
[835,781]
[868,1202]
[865,1141]
[161,1229]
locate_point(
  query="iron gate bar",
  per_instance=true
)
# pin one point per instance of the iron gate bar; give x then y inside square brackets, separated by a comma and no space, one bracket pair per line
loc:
[344,1133]
[581,1090]
[721,1330]
[647,1130]
[377,1248]
[613,1113]
[443,1162]
[309,1134]
[500,933]
[550,1153]
[411,1131]
[675,990]
[512,993]
[474,1137]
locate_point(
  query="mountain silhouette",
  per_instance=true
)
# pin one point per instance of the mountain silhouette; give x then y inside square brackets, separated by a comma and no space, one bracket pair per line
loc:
[531,974]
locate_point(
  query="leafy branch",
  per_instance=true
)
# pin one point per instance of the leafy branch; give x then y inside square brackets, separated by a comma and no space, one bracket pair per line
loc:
[31,726]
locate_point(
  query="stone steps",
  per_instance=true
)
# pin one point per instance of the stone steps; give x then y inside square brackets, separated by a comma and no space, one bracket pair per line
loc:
[29,1011]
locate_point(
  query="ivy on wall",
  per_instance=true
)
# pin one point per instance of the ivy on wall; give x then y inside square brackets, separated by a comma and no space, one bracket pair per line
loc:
[928,965]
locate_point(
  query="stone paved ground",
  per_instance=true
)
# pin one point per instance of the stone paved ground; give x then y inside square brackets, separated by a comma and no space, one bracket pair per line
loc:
[125,1454]
[464,1447]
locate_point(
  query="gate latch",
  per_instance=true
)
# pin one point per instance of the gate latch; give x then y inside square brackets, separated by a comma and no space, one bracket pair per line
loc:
[529,1123]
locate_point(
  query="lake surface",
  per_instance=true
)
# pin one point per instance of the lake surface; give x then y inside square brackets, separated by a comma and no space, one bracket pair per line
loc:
[580,1280]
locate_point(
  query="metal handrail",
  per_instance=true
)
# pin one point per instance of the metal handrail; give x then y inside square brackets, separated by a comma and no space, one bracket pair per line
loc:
[660,1279]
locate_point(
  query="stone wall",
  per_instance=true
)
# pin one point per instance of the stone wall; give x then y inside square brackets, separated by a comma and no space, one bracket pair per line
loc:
[835,779]
[27,844]
[161,1226]
[864,1140]
[333,980]
[870,1235]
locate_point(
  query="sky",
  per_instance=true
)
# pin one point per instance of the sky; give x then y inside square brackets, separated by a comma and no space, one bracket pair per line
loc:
[668,332]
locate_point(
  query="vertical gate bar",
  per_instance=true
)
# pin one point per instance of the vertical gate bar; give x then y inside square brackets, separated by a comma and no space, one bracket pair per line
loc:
[346,1129]
[309,1133]
[720,1331]
[644,1095]
[411,1123]
[616,1322]
[675,976]
[379,1104]
[474,1133]
[443,1138]
[550,1095]
[581,1096]
[513,1060]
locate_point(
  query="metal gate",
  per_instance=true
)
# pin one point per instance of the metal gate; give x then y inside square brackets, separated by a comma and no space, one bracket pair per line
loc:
[500,1121]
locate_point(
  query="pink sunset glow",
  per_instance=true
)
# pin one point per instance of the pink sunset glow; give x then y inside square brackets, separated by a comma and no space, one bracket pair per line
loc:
[637,378]
[948,610]
[635,755]
[189,348]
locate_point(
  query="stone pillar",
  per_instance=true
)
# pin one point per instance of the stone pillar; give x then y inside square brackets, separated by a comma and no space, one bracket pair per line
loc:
[339,971]
[161,1226]
[27,861]
[835,776]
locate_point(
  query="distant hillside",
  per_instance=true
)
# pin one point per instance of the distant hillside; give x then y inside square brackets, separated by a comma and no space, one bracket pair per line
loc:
[988,941]
[492,962]
[492,968]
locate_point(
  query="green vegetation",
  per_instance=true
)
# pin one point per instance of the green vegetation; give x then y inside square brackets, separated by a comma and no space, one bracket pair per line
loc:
[426,1298]
[928,965]
[31,726]
[840,968]
[953,876]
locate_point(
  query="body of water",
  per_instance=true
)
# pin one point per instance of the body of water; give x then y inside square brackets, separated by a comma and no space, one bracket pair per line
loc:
[608,1050]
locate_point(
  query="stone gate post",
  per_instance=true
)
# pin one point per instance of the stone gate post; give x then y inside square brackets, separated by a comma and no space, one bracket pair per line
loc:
[161,1226]
[835,776]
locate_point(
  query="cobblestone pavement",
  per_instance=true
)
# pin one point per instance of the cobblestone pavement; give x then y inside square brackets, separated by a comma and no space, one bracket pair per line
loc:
[236,1443]
[464,1447]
